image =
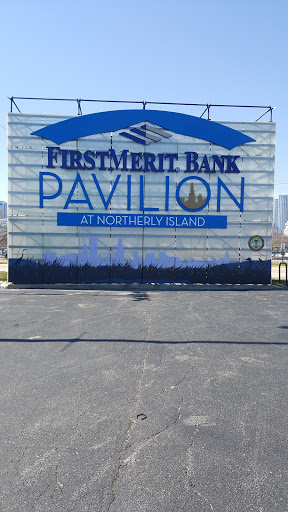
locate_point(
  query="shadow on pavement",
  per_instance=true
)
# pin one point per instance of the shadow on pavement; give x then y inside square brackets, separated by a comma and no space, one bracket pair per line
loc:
[158,342]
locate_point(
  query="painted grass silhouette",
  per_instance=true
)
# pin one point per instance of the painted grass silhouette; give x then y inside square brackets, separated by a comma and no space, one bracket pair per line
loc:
[25,271]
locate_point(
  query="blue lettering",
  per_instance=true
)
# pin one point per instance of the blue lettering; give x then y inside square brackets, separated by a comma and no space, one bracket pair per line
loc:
[129,192]
[135,161]
[167,194]
[191,159]
[116,162]
[149,159]
[141,207]
[75,157]
[89,160]
[221,184]
[231,166]
[70,200]
[219,160]
[52,156]
[171,157]
[56,194]
[106,203]
[161,161]
[204,165]
[102,155]
[64,154]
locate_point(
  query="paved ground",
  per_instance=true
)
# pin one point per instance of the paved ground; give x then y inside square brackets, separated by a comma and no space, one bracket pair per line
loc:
[150,401]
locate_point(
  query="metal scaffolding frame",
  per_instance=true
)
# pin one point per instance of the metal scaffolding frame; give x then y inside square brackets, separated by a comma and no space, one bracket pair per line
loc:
[144,103]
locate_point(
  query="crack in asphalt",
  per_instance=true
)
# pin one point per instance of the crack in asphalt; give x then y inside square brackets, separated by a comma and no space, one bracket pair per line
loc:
[58,483]
[40,496]
[30,414]
[187,467]
[183,378]
[205,499]
[57,479]
[132,416]
[145,441]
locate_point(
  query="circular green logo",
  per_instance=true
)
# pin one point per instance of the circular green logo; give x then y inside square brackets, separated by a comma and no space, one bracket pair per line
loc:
[256,243]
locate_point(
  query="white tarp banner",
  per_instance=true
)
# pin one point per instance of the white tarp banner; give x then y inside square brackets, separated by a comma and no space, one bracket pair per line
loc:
[147,204]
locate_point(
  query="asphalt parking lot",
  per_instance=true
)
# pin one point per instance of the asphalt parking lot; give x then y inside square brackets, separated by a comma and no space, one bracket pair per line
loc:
[151,401]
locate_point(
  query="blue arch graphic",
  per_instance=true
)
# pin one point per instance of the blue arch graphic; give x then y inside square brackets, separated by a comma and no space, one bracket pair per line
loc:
[111,121]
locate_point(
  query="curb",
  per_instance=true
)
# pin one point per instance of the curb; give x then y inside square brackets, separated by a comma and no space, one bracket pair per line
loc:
[141,287]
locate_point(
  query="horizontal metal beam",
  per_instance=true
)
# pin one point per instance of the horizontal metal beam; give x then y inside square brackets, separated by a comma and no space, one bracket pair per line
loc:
[144,103]
[141,102]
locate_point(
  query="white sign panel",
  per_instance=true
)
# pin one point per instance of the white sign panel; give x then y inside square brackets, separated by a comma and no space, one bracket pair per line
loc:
[139,196]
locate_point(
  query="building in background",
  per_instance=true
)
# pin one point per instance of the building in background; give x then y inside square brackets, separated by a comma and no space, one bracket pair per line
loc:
[3,229]
[280,213]
[275,214]
[3,210]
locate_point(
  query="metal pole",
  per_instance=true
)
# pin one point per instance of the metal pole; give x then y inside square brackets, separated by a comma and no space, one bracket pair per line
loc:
[12,101]
[79,108]
[283,263]
[208,108]
[269,110]
[203,112]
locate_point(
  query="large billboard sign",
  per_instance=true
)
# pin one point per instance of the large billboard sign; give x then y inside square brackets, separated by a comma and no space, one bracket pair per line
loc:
[139,196]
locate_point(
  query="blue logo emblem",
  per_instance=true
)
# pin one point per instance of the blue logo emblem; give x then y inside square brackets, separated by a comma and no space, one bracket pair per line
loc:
[148,132]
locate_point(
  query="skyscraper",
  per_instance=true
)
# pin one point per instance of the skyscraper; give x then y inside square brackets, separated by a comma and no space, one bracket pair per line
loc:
[3,210]
[280,213]
[275,214]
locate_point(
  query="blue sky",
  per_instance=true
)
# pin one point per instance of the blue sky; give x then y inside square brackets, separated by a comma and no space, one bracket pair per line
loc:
[187,51]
